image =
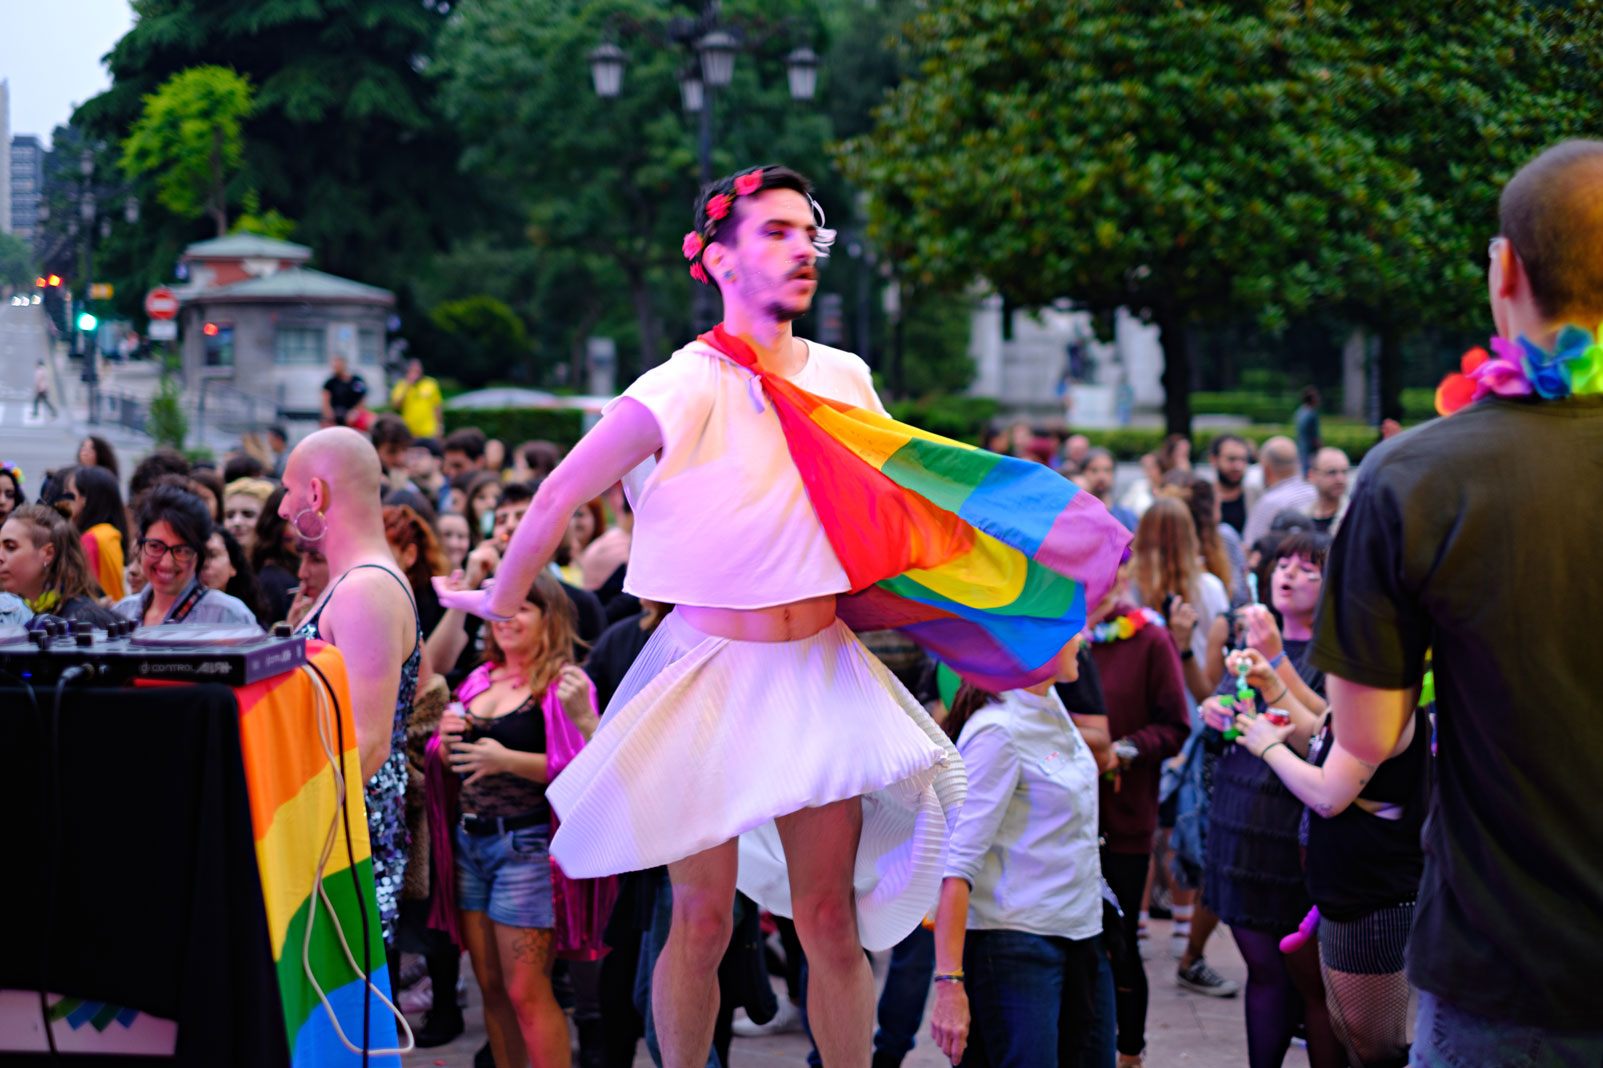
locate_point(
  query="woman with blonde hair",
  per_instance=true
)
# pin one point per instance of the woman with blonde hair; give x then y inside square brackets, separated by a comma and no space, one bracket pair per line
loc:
[243,501]
[1166,574]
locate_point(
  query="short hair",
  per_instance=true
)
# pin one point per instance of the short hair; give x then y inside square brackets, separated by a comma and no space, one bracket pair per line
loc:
[283,435]
[469,441]
[1309,545]
[724,230]
[431,445]
[258,488]
[242,465]
[540,456]
[181,510]
[1310,395]
[1095,452]
[515,493]
[1222,440]
[160,462]
[1551,211]
[390,430]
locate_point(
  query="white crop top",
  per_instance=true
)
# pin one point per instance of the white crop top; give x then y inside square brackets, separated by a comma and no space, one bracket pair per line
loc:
[722,519]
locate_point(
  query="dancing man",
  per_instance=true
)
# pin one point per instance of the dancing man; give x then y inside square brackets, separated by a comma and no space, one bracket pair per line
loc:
[756,741]
[331,494]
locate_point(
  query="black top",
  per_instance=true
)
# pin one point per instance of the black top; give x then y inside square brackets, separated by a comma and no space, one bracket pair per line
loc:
[505,794]
[345,393]
[1476,536]
[1357,861]
[276,582]
[1322,525]
[613,654]
[1234,513]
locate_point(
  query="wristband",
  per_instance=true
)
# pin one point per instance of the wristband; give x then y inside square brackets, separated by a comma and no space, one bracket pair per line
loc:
[949,977]
[1265,754]
[1187,654]
[1284,689]
[1278,659]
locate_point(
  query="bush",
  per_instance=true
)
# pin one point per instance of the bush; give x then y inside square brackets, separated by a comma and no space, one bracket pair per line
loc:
[1131,443]
[1418,404]
[167,424]
[1255,407]
[953,416]
[514,426]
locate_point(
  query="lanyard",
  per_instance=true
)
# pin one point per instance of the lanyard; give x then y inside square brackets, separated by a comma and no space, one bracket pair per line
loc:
[182,609]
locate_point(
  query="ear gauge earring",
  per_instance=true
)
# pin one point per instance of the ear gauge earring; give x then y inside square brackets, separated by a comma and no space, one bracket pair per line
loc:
[310,524]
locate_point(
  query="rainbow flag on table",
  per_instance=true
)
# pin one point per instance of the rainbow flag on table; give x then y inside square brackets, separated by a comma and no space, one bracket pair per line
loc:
[293,803]
[987,561]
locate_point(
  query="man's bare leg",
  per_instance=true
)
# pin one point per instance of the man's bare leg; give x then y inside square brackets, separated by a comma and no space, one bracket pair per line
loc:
[684,986]
[820,851]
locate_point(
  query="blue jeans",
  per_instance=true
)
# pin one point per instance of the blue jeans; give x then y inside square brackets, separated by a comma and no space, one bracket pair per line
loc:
[907,991]
[1445,1036]
[1031,999]
[1101,1047]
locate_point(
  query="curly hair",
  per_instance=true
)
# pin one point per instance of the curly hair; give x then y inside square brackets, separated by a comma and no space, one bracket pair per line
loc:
[403,527]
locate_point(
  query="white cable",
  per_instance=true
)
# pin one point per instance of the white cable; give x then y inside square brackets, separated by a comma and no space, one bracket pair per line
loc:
[323,697]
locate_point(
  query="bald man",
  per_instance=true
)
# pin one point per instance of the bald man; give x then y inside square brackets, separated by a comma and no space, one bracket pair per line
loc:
[1284,488]
[332,486]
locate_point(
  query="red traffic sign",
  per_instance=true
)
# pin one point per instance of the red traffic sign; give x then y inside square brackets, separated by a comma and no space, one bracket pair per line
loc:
[161,303]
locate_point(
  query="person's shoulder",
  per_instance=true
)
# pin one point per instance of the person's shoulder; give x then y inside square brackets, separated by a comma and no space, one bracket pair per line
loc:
[231,608]
[839,361]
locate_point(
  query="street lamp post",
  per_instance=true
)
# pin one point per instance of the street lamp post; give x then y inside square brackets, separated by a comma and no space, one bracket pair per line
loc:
[711,48]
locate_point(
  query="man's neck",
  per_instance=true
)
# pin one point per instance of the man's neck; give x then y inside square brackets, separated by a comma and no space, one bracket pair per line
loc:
[349,544]
[1324,509]
[771,340]
[1229,493]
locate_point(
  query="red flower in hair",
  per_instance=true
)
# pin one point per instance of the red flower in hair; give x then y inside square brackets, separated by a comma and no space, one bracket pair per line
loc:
[718,206]
[698,273]
[692,245]
[749,183]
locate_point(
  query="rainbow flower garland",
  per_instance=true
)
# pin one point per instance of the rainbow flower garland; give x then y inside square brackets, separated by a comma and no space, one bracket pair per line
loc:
[1115,630]
[1522,368]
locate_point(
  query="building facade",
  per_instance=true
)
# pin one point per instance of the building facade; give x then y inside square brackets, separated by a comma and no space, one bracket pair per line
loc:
[5,156]
[260,329]
[27,171]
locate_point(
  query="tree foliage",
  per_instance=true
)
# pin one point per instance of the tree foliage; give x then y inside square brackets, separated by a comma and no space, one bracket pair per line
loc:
[1200,162]
[187,141]
[16,262]
[479,337]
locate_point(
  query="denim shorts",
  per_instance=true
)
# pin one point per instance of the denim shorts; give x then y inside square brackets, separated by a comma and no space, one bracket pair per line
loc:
[507,875]
[1446,1036]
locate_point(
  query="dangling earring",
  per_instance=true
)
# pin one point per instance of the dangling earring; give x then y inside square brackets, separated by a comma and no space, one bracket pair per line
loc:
[313,529]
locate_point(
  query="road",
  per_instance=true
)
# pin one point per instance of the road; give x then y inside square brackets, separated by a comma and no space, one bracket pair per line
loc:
[35,443]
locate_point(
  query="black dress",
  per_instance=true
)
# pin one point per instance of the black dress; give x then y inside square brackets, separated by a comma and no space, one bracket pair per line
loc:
[1254,874]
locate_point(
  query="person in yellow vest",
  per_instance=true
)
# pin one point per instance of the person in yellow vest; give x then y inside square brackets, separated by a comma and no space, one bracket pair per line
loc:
[95,500]
[417,398]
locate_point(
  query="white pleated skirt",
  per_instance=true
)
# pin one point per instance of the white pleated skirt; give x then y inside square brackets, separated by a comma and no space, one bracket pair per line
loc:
[709,739]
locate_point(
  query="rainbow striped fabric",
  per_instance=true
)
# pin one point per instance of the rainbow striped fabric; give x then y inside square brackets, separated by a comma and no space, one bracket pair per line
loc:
[987,561]
[292,801]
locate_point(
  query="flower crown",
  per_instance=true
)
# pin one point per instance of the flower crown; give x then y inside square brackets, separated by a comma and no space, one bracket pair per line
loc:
[13,470]
[718,208]
[1522,368]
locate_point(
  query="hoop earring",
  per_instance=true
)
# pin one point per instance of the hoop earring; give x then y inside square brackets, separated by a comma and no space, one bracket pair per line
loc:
[311,531]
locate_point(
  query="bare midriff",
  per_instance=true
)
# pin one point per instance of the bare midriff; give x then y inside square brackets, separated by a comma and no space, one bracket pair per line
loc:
[780,623]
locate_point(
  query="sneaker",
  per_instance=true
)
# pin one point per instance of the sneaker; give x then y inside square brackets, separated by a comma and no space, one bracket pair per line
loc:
[1201,979]
[439,1027]
[788,1018]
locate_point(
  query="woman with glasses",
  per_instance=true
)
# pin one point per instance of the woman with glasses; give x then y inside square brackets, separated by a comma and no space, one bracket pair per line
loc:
[173,529]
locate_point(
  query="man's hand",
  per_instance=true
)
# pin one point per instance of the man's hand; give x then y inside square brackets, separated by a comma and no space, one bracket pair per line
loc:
[949,1023]
[1258,734]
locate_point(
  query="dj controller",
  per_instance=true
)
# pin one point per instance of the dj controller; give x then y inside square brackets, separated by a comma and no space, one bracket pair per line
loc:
[181,652]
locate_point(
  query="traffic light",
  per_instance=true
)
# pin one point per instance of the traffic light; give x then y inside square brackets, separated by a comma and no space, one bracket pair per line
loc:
[87,322]
[39,283]
[53,281]
[210,330]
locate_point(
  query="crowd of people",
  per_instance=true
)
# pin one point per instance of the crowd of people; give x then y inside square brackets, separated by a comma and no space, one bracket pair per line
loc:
[1187,756]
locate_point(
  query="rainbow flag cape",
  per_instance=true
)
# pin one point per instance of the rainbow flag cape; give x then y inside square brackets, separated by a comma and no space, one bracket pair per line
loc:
[292,802]
[987,561]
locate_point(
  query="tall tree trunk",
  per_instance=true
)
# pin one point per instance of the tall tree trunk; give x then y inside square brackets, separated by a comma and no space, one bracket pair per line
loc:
[1173,336]
[219,209]
[1391,372]
[645,319]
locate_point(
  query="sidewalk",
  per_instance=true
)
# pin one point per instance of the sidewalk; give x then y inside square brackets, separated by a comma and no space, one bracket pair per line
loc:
[1182,1028]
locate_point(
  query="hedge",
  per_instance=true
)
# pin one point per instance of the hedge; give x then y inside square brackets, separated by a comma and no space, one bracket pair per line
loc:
[514,426]
[953,416]
[1131,443]
[1268,408]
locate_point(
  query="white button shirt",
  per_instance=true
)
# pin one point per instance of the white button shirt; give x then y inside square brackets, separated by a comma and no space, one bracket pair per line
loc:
[1026,838]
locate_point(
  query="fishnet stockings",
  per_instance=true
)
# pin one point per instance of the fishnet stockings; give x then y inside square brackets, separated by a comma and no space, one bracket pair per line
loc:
[1372,1015]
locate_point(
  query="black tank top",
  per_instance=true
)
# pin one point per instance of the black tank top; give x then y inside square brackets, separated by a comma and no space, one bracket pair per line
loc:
[1359,862]
[505,794]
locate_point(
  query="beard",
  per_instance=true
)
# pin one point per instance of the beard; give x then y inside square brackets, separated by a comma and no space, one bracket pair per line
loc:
[1226,482]
[781,312]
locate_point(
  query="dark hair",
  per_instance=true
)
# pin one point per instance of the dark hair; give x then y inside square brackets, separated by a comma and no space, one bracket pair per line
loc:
[390,430]
[102,500]
[9,472]
[244,584]
[1310,395]
[1549,212]
[283,435]
[1218,444]
[415,501]
[1309,545]
[724,230]
[105,455]
[516,493]
[270,547]
[208,477]
[160,462]
[541,457]
[469,441]
[968,700]
[181,510]
[479,480]
[435,449]
[1166,451]
[242,465]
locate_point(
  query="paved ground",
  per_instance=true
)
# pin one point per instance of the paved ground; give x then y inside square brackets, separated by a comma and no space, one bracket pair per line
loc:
[1182,1029]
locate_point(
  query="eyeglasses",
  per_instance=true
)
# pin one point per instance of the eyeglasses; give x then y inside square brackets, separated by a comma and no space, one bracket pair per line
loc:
[183,555]
[1332,470]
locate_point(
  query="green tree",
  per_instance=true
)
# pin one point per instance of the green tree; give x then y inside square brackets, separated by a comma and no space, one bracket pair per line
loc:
[478,338]
[16,262]
[188,141]
[1177,159]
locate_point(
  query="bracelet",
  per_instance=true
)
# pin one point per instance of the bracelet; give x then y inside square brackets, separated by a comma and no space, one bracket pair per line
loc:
[949,977]
[1265,754]
[1278,659]
[1284,689]
[1187,654]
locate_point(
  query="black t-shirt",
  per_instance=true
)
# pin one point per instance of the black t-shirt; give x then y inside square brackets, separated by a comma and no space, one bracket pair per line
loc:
[1476,537]
[346,393]
[613,654]
[1234,513]
[1322,525]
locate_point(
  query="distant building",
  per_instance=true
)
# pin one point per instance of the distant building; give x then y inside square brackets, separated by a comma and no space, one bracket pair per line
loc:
[5,156]
[259,327]
[27,172]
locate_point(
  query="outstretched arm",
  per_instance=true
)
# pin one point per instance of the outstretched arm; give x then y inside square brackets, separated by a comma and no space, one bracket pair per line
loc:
[620,442]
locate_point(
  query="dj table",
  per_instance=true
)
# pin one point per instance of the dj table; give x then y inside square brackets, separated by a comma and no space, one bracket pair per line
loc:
[165,842]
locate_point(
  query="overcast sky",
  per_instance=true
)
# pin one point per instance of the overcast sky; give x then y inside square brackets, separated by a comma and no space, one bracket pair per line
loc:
[50,52]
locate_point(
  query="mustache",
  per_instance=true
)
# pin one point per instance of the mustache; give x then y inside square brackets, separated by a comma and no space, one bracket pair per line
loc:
[809,272]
